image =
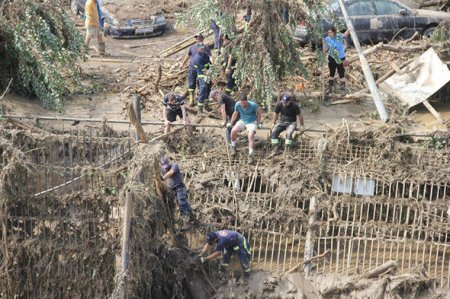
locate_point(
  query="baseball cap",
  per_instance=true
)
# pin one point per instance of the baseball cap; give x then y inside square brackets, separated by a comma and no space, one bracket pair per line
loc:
[201,36]
[211,237]
[286,98]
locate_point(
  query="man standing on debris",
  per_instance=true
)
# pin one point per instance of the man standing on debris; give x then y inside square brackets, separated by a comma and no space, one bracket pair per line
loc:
[290,118]
[334,45]
[228,242]
[226,105]
[173,106]
[171,172]
[229,63]
[201,62]
[250,119]
[192,73]
[94,24]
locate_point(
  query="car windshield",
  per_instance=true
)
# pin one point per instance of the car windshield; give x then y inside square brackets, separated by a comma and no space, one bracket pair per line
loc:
[384,7]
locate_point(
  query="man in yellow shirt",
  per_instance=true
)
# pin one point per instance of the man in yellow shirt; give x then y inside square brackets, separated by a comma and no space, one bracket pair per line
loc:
[93,24]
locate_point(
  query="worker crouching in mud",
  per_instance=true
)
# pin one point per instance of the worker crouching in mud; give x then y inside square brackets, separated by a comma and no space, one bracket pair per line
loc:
[227,242]
[171,172]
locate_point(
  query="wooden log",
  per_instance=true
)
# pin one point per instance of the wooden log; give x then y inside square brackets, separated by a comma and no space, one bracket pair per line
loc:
[158,78]
[137,124]
[433,111]
[380,269]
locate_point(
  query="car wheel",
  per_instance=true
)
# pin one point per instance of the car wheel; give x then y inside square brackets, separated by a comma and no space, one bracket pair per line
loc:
[428,32]
[74,7]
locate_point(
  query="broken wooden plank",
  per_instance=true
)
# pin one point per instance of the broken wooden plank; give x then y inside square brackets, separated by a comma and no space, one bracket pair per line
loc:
[433,111]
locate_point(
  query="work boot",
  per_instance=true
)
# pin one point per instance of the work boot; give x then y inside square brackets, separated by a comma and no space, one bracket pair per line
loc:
[251,158]
[246,276]
[342,88]
[330,86]
[191,98]
[186,222]
[102,48]
[200,109]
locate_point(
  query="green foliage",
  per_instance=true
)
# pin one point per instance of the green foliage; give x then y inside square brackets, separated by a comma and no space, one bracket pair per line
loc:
[442,34]
[266,53]
[41,47]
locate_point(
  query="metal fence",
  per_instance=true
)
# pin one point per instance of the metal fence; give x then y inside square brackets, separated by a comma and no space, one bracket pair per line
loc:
[363,218]
[63,227]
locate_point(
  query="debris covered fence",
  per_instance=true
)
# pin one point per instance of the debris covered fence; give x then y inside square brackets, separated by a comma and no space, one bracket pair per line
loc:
[375,202]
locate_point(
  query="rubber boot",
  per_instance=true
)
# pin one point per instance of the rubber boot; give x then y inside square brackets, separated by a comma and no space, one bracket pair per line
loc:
[200,109]
[251,158]
[102,48]
[342,88]
[246,276]
[186,222]
[233,150]
[191,98]
[330,86]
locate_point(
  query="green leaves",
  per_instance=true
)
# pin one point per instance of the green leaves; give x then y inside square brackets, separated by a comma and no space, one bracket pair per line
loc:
[266,53]
[42,47]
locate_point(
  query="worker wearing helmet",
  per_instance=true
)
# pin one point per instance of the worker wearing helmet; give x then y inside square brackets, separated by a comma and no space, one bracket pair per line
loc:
[227,242]
[171,172]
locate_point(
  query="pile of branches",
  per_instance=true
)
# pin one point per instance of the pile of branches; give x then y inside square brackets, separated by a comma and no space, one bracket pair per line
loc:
[39,46]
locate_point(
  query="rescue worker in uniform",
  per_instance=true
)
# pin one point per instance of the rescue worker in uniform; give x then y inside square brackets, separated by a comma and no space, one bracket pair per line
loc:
[171,172]
[290,117]
[227,242]
[192,73]
[201,62]
[229,64]
[226,105]
[173,106]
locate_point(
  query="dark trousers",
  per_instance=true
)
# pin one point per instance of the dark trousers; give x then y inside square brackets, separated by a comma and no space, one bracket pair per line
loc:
[242,250]
[192,79]
[230,82]
[183,200]
[288,127]
[203,90]
[333,65]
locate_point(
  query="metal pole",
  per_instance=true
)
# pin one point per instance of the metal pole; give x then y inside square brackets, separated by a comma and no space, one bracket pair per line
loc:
[137,112]
[365,66]
[309,244]
[149,123]
[125,242]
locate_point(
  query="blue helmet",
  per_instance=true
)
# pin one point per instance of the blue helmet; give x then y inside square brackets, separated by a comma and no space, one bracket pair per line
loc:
[211,237]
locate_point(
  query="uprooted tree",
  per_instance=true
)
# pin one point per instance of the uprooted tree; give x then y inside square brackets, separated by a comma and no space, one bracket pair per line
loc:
[266,52]
[39,46]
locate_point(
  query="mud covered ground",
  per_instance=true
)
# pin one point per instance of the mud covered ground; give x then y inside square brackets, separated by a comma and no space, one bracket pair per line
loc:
[130,64]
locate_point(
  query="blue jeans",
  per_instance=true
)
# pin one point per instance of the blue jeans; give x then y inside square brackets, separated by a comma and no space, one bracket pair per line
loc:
[183,200]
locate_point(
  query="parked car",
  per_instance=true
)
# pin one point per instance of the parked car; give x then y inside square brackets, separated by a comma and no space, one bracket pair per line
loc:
[379,20]
[126,19]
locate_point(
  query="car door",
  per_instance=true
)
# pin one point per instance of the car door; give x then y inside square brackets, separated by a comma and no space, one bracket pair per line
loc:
[392,19]
[360,13]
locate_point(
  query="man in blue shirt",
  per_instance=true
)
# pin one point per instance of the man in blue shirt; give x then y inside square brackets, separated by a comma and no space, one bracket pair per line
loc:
[334,45]
[192,73]
[228,242]
[250,119]
[171,172]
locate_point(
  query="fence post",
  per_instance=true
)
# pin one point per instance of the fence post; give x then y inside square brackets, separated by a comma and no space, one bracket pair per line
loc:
[125,242]
[309,243]
[137,112]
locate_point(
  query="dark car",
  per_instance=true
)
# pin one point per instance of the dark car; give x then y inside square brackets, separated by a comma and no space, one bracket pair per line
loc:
[379,20]
[122,22]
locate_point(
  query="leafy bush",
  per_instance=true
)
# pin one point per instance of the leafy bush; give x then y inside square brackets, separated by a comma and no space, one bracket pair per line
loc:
[40,47]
